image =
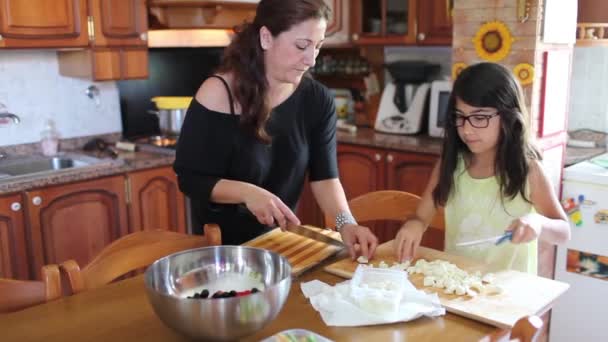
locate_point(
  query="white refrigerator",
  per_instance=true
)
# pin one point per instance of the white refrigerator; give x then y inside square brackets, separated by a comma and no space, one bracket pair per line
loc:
[581,314]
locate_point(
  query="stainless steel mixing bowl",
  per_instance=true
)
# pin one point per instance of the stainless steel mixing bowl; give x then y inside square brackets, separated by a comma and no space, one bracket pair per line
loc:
[170,279]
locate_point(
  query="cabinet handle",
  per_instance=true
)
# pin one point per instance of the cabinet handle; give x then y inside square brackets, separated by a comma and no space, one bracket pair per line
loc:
[355,37]
[37,200]
[421,36]
[389,158]
[378,157]
[15,206]
[143,36]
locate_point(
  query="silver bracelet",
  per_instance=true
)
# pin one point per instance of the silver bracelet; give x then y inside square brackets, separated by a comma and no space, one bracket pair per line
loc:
[344,218]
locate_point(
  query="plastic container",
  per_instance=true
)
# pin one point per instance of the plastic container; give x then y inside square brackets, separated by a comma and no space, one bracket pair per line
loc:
[296,335]
[49,139]
[378,290]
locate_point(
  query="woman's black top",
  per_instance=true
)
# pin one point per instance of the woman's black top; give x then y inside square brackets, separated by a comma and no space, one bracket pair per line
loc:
[214,145]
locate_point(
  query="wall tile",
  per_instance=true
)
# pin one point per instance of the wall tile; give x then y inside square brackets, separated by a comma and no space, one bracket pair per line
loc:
[32,88]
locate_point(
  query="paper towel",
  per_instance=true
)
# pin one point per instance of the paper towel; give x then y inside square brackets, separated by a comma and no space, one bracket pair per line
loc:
[338,308]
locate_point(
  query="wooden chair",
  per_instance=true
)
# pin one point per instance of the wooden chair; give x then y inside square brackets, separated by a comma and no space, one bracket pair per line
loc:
[20,294]
[526,329]
[132,252]
[393,205]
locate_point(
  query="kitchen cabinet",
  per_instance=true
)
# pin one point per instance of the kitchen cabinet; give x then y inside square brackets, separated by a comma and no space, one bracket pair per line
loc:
[75,221]
[434,22]
[155,201]
[105,64]
[401,22]
[365,169]
[43,23]
[117,41]
[13,250]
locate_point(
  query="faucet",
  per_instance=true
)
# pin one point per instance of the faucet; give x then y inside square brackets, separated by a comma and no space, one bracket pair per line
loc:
[12,116]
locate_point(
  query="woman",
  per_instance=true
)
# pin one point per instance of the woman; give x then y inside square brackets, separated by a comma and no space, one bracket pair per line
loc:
[255,128]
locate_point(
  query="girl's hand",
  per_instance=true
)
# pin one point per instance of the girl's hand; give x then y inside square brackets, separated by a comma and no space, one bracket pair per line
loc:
[526,228]
[353,234]
[408,239]
[268,208]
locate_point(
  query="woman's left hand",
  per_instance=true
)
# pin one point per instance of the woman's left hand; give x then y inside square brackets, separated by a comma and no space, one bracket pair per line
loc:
[353,234]
[526,228]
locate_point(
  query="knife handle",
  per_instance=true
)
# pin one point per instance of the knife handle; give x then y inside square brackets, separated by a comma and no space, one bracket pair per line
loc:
[508,236]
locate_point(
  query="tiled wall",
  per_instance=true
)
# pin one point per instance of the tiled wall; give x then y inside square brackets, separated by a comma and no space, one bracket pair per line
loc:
[31,87]
[588,90]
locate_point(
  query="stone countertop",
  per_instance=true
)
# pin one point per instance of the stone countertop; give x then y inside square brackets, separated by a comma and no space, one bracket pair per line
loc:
[126,162]
[406,143]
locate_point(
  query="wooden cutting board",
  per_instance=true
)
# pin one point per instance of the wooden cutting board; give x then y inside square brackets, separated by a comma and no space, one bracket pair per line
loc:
[302,252]
[523,294]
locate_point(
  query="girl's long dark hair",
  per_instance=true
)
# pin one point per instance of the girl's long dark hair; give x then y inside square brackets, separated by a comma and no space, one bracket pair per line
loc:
[244,57]
[489,85]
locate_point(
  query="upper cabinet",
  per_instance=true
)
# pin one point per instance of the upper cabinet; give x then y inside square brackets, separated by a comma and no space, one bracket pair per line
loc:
[119,22]
[405,22]
[43,23]
[435,22]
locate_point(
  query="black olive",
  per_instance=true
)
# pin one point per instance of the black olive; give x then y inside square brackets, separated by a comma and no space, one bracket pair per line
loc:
[254,290]
[233,293]
[205,293]
[196,295]
[218,294]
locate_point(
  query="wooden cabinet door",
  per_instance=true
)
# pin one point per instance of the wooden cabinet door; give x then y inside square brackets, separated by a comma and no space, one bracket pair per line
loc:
[362,170]
[75,221]
[119,22]
[13,251]
[155,201]
[411,172]
[335,22]
[434,22]
[134,64]
[43,23]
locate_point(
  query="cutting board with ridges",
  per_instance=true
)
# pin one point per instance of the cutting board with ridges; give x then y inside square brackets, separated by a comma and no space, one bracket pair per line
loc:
[523,294]
[302,252]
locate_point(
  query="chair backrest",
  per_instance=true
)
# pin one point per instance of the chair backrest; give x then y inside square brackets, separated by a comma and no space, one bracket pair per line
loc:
[526,329]
[387,205]
[20,294]
[132,252]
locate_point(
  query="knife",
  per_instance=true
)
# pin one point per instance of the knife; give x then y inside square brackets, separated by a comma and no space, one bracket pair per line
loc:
[497,240]
[311,234]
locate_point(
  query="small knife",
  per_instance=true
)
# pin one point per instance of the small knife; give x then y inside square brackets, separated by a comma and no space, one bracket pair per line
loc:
[311,234]
[497,240]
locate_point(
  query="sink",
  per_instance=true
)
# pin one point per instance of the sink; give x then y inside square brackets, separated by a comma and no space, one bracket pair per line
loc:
[28,165]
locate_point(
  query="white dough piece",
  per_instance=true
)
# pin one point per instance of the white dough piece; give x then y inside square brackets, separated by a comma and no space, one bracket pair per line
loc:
[362,259]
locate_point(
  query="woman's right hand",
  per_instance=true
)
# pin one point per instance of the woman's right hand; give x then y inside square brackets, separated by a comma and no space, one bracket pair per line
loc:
[268,208]
[408,239]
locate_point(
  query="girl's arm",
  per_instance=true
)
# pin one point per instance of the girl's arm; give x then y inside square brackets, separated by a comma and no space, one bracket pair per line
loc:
[409,236]
[550,222]
[329,194]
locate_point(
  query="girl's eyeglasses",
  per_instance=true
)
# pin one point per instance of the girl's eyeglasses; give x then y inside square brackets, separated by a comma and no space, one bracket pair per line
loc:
[476,120]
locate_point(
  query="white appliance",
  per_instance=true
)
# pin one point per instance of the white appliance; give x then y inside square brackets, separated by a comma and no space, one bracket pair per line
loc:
[438,106]
[406,117]
[581,314]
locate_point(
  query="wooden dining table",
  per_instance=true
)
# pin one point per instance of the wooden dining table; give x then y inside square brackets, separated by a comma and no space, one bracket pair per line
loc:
[121,312]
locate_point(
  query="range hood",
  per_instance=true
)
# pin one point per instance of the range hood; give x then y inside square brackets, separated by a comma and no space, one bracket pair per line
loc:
[196,23]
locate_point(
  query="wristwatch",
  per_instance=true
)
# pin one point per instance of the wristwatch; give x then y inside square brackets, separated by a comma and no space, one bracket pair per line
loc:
[344,218]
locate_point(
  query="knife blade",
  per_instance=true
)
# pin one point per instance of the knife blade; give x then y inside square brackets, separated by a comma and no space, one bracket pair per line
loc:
[311,234]
[497,240]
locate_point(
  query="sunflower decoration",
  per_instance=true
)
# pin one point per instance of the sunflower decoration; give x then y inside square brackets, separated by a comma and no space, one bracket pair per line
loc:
[457,68]
[493,41]
[524,73]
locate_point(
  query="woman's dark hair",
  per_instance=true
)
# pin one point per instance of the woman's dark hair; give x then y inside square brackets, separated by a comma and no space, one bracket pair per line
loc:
[489,85]
[244,57]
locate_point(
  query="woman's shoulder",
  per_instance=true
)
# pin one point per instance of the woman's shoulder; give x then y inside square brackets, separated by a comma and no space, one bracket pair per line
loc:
[313,88]
[213,94]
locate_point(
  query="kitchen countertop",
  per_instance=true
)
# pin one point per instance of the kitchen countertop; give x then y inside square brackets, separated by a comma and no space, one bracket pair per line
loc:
[126,162]
[406,143]
[149,156]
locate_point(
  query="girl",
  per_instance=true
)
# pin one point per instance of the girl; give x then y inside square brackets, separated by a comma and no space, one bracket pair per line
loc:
[489,178]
